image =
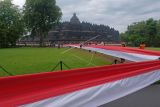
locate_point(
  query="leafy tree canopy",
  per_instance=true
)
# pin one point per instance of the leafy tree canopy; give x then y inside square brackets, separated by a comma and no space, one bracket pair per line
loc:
[11,24]
[145,31]
[40,16]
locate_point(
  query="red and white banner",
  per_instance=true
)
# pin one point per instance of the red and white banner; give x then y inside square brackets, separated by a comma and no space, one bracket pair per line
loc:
[132,54]
[86,87]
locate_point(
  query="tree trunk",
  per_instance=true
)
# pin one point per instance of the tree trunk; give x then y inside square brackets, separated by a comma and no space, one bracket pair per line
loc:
[41,42]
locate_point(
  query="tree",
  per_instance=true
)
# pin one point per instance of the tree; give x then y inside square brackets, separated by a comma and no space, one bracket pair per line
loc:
[41,16]
[151,31]
[11,24]
[145,31]
[157,38]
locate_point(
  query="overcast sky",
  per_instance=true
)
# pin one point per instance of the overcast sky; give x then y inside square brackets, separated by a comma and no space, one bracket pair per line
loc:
[115,13]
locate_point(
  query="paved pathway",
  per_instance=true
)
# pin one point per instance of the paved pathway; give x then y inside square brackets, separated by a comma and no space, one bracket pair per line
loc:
[148,97]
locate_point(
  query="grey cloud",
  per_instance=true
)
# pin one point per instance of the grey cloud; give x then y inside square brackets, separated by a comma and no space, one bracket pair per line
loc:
[115,13]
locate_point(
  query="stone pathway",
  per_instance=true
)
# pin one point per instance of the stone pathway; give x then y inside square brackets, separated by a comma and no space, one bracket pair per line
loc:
[148,97]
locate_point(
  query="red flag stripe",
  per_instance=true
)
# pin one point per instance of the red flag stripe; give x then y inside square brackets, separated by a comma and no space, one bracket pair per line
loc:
[24,89]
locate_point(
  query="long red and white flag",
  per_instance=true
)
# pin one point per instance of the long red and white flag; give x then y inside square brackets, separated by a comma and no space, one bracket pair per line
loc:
[132,54]
[85,87]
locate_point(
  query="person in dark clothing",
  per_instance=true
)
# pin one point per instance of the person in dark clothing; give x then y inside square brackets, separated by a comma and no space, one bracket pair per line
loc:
[122,60]
[81,45]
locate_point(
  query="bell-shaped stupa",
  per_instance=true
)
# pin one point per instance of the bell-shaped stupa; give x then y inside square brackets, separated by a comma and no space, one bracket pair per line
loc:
[75,19]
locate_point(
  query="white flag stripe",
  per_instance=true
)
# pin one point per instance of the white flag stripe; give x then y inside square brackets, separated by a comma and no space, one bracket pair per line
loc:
[102,94]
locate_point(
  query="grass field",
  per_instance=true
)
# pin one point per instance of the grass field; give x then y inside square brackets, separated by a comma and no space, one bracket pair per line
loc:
[156,49]
[33,60]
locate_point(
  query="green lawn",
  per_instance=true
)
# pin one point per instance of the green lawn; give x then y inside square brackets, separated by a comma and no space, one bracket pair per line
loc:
[151,48]
[32,60]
